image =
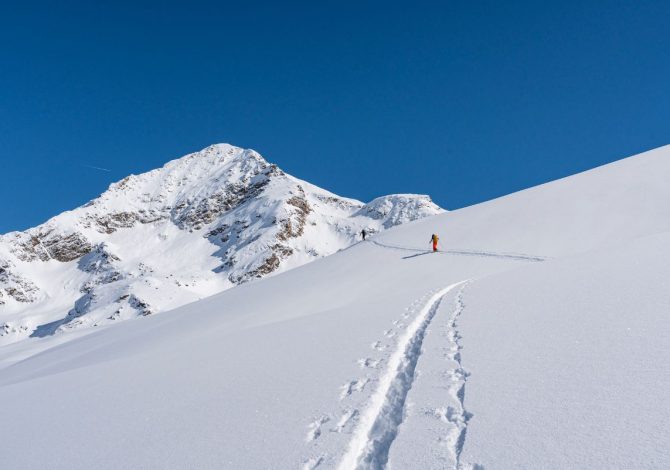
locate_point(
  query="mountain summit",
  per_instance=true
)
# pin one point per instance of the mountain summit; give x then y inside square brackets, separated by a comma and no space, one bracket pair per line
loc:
[195,227]
[537,337]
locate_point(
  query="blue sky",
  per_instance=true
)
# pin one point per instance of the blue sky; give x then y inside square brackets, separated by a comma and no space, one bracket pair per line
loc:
[464,101]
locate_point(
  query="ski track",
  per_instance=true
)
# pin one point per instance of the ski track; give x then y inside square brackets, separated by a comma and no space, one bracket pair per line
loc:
[378,424]
[457,416]
[352,402]
[374,422]
[480,253]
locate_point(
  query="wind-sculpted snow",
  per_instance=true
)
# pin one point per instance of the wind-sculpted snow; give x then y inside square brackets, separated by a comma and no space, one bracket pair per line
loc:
[199,225]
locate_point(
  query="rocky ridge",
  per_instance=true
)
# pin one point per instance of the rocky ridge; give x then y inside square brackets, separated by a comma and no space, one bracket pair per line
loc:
[200,224]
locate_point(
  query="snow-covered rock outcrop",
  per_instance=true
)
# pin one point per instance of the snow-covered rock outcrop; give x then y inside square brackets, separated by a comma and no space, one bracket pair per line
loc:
[197,226]
[398,209]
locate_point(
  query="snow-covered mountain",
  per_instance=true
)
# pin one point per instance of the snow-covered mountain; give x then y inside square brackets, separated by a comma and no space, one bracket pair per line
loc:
[197,226]
[537,338]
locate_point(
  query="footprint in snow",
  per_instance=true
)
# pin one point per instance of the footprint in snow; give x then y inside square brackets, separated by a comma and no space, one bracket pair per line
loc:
[368,363]
[353,386]
[312,463]
[348,417]
[315,428]
[377,345]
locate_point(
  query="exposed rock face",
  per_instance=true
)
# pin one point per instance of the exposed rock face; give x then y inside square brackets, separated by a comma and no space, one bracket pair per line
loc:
[207,210]
[293,225]
[110,223]
[100,263]
[17,290]
[48,244]
[152,242]
[14,286]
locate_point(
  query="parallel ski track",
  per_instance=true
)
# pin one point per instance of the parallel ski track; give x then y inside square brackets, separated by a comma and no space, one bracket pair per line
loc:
[378,427]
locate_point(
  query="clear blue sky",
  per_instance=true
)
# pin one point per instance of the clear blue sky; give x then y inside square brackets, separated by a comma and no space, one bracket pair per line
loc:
[464,101]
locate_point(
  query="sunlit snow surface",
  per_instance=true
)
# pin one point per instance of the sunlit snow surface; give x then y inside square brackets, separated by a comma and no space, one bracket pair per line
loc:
[156,241]
[536,338]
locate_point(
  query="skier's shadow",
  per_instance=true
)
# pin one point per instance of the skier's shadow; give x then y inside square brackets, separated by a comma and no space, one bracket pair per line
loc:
[418,254]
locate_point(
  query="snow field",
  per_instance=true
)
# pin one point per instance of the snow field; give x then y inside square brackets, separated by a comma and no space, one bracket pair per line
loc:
[554,355]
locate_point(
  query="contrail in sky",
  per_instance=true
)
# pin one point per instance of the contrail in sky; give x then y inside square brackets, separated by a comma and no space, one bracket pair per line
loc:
[97,168]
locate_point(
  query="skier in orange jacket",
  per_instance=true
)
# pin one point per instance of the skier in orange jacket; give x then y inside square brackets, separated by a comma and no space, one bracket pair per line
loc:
[433,239]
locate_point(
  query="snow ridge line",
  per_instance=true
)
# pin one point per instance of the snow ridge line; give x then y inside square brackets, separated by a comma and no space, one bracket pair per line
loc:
[378,426]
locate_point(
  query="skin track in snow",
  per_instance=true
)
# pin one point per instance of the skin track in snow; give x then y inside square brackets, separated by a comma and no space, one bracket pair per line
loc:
[511,256]
[378,427]
[567,359]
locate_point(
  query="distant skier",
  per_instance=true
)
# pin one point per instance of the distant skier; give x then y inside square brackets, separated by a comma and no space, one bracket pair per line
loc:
[364,234]
[434,239]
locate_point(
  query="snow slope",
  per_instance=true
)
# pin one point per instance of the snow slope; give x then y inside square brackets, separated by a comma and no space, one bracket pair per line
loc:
[152,242]
[536,339]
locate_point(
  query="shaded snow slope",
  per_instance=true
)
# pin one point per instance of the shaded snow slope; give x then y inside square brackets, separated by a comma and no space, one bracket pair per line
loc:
[518,346]
[199,225]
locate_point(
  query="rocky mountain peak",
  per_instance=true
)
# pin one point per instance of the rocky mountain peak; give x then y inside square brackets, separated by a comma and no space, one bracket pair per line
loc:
[194,227]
